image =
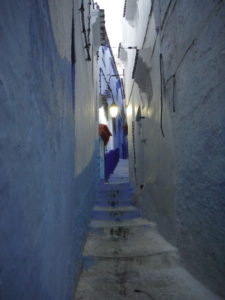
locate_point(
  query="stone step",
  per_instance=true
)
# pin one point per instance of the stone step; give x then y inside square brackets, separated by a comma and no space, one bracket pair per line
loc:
[116,198]
[131,264]
[135,262]
[118,179]
[156,284]
[116,187]
[128,223]
[113,186]
[115,214]
[126,242]
[114,194]
[118,202]
[109,208]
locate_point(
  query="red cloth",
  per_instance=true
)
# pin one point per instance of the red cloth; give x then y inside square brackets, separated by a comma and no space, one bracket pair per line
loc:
[104,133]
[125,128]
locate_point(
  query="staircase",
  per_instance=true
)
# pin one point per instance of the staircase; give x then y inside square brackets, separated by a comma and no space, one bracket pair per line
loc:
[126,258]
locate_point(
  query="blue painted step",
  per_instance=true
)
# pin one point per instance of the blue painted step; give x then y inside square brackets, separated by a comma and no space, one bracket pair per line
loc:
[115,214]
[114,189]
[114,194]
[114,186]
[113,203]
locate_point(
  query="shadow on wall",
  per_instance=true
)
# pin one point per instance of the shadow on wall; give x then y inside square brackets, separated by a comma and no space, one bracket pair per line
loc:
[44,213]
[143,78]
[131,12]
[156,193]
[194,204]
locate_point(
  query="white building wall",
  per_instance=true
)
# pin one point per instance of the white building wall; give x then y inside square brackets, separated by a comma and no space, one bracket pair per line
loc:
[178,177]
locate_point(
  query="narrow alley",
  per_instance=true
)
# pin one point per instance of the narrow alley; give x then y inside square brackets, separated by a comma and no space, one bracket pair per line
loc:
[126,258]
[112,149]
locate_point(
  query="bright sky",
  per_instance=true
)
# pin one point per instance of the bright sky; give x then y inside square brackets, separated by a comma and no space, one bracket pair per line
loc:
[113,18]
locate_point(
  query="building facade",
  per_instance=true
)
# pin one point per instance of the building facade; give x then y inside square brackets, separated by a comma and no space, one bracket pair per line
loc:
[48,138]
[173,55]
[111,92]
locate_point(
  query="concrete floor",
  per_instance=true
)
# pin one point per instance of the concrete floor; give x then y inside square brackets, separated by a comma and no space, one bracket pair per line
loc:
[126,258]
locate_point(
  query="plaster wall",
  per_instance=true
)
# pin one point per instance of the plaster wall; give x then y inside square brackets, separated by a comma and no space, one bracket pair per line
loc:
[178,166]
[46,158]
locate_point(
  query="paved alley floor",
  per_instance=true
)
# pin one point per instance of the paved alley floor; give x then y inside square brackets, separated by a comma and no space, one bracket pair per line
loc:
[126,258]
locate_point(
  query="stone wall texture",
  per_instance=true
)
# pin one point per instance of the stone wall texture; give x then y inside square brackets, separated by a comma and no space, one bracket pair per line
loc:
[43,211]
[180,145]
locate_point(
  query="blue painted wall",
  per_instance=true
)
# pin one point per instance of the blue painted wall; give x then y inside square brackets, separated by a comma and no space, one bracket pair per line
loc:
[43,212]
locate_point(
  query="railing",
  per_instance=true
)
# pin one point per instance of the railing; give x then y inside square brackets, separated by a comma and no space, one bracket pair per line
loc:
[111,160]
